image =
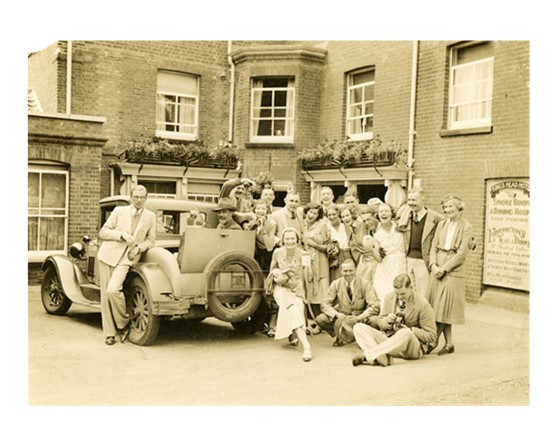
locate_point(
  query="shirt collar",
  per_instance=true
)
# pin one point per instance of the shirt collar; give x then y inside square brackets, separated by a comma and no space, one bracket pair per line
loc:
[421,214]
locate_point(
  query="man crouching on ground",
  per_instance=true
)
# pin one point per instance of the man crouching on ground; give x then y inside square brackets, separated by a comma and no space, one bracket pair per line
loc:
[404,328]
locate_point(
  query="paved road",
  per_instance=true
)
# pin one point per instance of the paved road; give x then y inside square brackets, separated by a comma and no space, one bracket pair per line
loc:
[211,364]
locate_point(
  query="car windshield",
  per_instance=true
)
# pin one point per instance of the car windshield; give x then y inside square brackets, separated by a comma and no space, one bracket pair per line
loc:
[174,222]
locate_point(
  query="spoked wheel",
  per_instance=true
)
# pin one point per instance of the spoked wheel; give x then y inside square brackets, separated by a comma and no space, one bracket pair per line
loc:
[144,324]
[52,295]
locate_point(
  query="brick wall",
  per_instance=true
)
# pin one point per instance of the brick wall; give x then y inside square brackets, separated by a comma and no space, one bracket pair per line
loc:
[393,68]
[118,79]
[281,161]
[461,164]
[43,77]
[78,145]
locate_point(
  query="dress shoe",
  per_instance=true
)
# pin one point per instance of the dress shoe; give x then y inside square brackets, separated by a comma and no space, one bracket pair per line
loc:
[125,334]
[383,360]
[430,348]
[338,343]
[271,332]
[110,340]
[306,355]
[293,340]
[446,350]
[359,360]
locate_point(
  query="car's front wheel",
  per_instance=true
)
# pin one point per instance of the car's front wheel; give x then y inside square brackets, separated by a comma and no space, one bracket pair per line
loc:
[53,297]
[144,324]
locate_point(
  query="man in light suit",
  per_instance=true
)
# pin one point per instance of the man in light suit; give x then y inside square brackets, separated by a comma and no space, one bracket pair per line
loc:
[290,216]
[417,223]
[347,303]
[128,232]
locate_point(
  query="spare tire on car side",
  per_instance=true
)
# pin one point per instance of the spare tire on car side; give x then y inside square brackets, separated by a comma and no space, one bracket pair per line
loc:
[234,286]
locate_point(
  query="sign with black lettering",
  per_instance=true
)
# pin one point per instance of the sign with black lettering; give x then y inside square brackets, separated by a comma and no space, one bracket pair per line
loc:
[507,233]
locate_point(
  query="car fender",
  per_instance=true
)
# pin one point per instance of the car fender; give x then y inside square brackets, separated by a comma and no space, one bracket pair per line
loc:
[157,282]
[168,265]
[70,276]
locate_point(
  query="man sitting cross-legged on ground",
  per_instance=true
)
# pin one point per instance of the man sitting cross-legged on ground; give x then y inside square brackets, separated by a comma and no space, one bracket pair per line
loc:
[404,328]
[347,302]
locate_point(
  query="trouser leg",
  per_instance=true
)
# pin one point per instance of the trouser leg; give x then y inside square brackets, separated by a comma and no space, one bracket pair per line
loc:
[115,297]
[419,274]
[105,272]
[326,323]
[403,344]
[368,338]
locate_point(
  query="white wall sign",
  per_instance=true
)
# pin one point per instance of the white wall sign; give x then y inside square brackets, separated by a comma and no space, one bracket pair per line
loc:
[507,233]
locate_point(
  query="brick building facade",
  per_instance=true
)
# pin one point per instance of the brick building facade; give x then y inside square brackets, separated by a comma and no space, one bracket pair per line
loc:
[401,92]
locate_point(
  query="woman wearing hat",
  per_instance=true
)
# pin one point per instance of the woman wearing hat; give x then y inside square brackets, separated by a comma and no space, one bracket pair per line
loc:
[446,286]
[289,292]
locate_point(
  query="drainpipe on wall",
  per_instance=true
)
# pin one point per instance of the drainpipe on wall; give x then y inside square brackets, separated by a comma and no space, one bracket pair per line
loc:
[232,81]
[412,124]
[69,79]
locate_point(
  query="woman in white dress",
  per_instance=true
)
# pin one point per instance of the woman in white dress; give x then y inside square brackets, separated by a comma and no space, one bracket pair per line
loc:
[390,253]
[289,292]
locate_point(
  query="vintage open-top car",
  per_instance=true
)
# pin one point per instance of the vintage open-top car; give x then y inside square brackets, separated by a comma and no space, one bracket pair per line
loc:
[193,272]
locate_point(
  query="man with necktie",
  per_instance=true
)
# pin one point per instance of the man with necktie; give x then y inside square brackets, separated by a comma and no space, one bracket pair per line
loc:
[404,329]
[348,302]
[128,232]
[418,223]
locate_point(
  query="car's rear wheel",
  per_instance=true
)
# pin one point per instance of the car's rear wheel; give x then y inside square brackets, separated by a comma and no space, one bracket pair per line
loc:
[144,324]
[53,297]
[234,286]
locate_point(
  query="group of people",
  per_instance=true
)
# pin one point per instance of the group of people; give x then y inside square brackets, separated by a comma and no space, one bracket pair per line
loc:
[390,280]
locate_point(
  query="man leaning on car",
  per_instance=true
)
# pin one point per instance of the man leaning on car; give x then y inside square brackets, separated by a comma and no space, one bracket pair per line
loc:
[128,232]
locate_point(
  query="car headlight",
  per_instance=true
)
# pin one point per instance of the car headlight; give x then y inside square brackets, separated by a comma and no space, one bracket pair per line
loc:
[77,251]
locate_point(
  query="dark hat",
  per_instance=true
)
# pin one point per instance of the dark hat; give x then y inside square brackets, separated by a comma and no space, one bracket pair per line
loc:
[225,204]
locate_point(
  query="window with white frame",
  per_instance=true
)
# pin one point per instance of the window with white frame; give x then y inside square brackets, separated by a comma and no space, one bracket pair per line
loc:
[360,102]
[470,85]
[272,110]
[177,105]
[47,210]
[159,188]
[207,192]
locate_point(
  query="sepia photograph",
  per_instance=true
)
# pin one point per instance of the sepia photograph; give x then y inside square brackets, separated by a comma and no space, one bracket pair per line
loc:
[280,226]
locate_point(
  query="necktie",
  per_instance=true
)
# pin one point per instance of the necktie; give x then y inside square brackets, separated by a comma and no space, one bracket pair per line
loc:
[349,290]
[415,217]
[135,220]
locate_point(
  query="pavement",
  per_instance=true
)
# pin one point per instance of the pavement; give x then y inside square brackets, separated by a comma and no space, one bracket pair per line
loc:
[212,364]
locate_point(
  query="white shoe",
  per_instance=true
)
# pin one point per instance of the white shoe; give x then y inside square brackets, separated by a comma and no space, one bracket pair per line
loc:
[307,355]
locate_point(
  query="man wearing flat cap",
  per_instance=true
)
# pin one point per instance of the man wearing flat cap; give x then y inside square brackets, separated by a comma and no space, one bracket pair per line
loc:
[225,209]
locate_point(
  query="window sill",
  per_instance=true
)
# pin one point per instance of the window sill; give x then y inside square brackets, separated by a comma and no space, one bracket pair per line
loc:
[270,145]
[176,136]
[468,131]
